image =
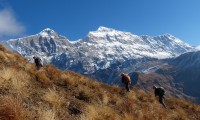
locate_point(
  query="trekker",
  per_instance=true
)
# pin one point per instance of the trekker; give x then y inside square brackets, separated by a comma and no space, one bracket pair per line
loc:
[38,62]
[126,80]
[159,91]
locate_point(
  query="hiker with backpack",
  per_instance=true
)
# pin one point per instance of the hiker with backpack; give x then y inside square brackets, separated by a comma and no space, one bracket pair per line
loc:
[160,92]
[38,62]
[126,80]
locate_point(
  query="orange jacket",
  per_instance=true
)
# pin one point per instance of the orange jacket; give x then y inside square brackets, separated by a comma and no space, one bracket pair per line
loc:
[126,79]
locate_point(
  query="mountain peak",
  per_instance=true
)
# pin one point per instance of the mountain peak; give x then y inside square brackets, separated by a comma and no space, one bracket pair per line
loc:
[104,29]
[168,35]
[48,32]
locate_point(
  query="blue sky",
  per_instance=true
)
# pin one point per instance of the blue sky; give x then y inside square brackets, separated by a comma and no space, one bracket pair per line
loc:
[75,18]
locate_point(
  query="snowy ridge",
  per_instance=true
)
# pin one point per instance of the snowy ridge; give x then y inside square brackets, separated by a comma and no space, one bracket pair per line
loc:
[130,45]
[98,50]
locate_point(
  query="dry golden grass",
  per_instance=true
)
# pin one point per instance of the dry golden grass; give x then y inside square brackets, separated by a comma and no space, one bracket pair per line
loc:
[3,56]
[102,113]
[54,98]
[47,114]
[42,77]
[12,109]
[15,80]
[2,48]
[7,56]
[104,98]
[66,79]
[50,94]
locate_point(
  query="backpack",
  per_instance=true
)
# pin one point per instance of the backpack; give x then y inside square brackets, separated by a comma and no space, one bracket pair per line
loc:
[126,79]
[38,61]
[162,91]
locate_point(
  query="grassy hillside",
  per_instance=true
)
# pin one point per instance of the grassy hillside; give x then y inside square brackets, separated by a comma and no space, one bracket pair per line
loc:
[50,94]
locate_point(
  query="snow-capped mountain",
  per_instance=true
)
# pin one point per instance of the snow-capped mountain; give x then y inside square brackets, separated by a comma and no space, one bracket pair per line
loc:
[133,46]
[45,44]
[98,50]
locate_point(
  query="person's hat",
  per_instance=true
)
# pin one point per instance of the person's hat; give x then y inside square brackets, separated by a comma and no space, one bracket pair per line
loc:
[154,87]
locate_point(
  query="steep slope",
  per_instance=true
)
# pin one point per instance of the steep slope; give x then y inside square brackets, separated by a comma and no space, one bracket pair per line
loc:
[51,94]
[180,76]
[166,80]
[187,72]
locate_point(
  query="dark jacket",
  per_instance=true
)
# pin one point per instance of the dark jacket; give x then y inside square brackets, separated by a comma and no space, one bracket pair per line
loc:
[38,61]
[159,91]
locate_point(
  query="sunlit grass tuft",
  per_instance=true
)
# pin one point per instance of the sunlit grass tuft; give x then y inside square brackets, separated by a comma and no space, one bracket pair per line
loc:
[42,77]
[54,98]
[12,109]
[47,114]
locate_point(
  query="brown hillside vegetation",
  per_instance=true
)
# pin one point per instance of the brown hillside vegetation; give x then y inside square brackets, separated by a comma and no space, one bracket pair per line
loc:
[51,94]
